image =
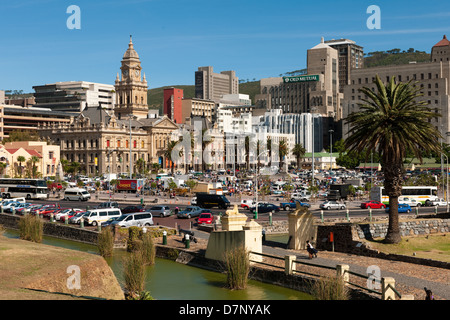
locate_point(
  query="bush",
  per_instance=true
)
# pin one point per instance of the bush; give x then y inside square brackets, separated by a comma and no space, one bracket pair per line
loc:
[106,242]
[31,228]
[238,267]
[148,249]
[330,288]
[134,274]
[134,234]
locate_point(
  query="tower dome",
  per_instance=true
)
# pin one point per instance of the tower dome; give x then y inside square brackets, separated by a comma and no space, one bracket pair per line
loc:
[130,53]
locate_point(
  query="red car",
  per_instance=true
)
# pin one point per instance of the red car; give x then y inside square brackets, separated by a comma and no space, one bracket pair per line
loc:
[372,204]
[205,218]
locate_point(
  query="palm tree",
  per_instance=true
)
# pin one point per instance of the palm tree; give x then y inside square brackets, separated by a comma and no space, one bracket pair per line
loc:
[390,122]
[298,151]
[21,159]
[34,160]
[282,151]
[168,153]
[3,165]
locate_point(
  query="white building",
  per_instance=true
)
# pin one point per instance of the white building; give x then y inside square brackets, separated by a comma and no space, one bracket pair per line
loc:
[300,125]
[74,96]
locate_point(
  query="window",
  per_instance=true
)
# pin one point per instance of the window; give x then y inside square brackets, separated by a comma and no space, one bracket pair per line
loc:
[135,144]
[126,144]
[107,143]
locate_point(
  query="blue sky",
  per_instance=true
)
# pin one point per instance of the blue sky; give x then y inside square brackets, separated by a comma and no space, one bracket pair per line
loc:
[257,39]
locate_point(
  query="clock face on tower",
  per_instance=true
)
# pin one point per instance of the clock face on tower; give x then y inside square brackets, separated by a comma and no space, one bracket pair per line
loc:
[125,73]
[137,73]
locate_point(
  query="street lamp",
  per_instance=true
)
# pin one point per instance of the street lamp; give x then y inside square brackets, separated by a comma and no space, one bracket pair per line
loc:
[331,149]
[256,186]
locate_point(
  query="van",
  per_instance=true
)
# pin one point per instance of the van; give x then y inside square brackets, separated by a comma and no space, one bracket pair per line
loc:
[97,216]
[108,204]
[137,219]
[206,200]
[76,194]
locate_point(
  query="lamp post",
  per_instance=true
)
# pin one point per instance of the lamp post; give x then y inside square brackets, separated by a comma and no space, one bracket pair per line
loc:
[331,150]
[256,186]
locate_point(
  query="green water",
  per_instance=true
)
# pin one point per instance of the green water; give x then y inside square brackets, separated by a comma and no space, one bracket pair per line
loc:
[168,280]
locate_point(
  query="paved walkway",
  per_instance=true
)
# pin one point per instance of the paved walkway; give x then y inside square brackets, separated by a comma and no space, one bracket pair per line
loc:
[410,278]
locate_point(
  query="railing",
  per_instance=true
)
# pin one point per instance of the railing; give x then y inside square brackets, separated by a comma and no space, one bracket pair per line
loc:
[387,285]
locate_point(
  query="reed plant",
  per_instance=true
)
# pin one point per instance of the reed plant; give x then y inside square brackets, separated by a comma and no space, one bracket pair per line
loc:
[134,274]
[148,249]
[31,228]
[237,263]
[330,288]
[105,242]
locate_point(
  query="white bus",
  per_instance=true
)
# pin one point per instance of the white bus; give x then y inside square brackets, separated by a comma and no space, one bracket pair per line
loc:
[27,188]
[422,194]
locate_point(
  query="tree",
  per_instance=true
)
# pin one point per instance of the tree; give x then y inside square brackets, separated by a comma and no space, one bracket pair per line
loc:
[282,151]
[21,159]
[391,121]
[2,168]
[34,160]
[168,153]
[298,151]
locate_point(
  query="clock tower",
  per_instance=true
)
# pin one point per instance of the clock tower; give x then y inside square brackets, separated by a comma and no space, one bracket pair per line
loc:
[131,86]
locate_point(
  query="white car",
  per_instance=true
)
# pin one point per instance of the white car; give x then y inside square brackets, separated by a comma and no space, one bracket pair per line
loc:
[439,202]
[65,213]
[328,205]
[246,204]
[411,202]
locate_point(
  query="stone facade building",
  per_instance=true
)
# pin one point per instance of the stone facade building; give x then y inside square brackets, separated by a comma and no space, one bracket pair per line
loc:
[432,77]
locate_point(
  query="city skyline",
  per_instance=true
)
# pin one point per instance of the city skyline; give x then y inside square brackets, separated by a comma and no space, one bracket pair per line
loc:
[174,38]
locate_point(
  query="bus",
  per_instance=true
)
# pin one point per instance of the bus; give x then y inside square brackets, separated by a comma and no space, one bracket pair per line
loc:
[27,188]
[422,194]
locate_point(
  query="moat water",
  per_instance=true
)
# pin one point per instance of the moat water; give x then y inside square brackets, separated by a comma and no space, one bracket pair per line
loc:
[169,280]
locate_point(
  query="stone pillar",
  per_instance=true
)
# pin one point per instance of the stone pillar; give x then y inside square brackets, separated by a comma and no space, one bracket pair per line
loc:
[341,270]
[253,239]
[233,220]
[301,228]
[289,265]
[386,292]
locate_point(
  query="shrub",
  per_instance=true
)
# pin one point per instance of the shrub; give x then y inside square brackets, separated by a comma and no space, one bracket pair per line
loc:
[148,249]
[238,267]
[31,228]
[134,234]
[330,288]
[134,274]
[106,242]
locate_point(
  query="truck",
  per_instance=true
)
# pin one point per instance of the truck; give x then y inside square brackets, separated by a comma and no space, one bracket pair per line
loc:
[338,191]
[130,185]
[293,205]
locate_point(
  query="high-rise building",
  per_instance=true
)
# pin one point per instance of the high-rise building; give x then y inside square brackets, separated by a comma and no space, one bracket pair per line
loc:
[212,86]
[351,56]
[131,87]
[74,96]
[172,104]
[433,79]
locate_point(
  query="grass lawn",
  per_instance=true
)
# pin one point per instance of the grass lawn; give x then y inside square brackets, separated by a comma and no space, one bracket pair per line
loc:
[435,247]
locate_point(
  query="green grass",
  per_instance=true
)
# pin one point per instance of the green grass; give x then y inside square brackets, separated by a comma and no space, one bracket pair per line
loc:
[435,247]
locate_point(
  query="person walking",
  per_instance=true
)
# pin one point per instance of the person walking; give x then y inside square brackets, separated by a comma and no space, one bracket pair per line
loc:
[312,252]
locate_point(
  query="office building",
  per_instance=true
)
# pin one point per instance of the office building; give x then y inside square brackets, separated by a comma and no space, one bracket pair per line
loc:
[198,108]
[433,78]
[74,96]
[172,104]
[213,86]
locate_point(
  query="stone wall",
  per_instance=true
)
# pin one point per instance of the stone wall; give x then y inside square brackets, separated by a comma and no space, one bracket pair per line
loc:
[57,230]
[348,238]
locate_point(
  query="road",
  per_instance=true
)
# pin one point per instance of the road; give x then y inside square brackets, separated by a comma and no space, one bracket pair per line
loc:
[354,211]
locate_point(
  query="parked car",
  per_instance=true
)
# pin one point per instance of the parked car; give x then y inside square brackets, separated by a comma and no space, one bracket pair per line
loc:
[12,206]
[138,219]
[66,212]
[328,205]
[402,208]
[439,202]
[77,218]
[246,204]
[161,211]
[205,218]
[25,208]
[191,211]
[132,209]
[108,204]
[372,204]
[109,221]
[96,216]
[207,200]
[264,207]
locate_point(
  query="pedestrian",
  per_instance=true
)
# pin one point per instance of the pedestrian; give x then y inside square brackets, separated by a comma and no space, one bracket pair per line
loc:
[312,252]
[429,294]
